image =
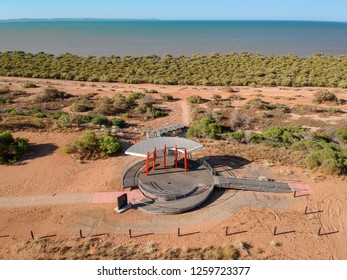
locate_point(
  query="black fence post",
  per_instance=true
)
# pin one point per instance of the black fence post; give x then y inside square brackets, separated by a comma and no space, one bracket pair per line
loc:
[226,231]
[130,233]
[294,194]
[319,231]
[179,232]
[275,231]
[81,235]
[306,210]
[32,235]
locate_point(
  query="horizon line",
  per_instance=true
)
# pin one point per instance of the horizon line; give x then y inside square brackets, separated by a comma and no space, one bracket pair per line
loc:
[157,19]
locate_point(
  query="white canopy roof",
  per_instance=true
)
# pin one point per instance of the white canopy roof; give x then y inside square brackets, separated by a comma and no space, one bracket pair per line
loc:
[140,149]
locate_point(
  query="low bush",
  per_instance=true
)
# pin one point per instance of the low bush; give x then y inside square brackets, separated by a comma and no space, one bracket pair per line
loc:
[5,101]
[134,96]
[50,94]
[100,120]
[91,146]
[195,99]
[16,112]
[120,103]
[5,90]
[118,122]
[81,107]
[57,114]
[105,106]
[329,160]
[11,149]
[235,96]
[239,136]
[40,115]
[216,97]
[150,91]
[342,134]
[205,127]
[323,96]
[29,84]
[167,97]
[259,104]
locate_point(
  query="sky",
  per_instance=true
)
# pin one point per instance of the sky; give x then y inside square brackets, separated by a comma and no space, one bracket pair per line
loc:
[325,10]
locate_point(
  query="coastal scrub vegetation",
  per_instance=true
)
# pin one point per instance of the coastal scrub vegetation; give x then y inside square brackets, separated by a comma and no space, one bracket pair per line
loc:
[91,146]
[326,151]
[239,69]
[12,149]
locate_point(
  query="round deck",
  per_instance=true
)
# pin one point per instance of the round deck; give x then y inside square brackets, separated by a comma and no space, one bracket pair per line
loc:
[170,183]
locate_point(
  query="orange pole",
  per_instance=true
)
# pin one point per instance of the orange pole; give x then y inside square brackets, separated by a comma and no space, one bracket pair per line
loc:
[176,155]
[164,156]
[147,163]
[185,161]
[154,157]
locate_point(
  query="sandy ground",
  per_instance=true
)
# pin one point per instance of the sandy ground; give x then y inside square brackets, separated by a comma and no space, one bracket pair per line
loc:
[47,171]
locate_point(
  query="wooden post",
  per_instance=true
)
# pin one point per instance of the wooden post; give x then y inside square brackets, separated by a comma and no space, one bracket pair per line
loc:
[130,233]
[185,161]
[275,231]
[306,210]
[147,162]
[178,232]
[32,235]
[165,156]
[81,235]
[154,157]
[294,194]
[226,230]
[319,231]
[176,156]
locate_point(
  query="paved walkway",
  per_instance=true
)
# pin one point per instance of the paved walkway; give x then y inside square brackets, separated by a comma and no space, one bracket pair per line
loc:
[76,198]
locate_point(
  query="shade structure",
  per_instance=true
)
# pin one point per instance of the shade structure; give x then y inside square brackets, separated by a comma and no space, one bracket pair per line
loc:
[141,149]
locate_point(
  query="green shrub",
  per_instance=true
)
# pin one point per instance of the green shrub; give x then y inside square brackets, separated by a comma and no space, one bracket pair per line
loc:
[29,84]
[91,146]
[195,99]
[239,136]
[81,107]
[134,96]
[323,96]
[205,127]
[57,114]
[5,101]
[306,145]
[282,108]
[11,149]
[16,112]
[284,134]
[5,90]
[259,104]
[256,138]
[167,97]
[329,160]
[50,94]
[100,120]
[342,134]
[40,115]
[118,122]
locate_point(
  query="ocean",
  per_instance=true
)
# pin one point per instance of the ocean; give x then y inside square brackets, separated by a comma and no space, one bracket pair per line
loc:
[147,37]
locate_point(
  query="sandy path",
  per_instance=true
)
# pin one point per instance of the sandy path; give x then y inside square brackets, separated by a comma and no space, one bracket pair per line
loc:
[331,200]
[186,114]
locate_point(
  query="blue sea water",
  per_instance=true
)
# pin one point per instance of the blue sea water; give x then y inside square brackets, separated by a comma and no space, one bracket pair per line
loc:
[132,37]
